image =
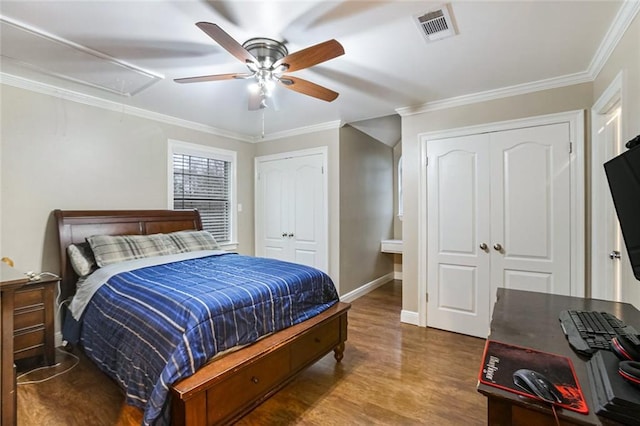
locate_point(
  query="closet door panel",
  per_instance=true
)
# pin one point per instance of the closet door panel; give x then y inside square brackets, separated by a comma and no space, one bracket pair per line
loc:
[530,202]
[526,195]
[458,225]
[307,207]
[528,280]
[272,215]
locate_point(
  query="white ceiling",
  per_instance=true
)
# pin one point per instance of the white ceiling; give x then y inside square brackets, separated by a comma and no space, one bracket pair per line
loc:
[387,65]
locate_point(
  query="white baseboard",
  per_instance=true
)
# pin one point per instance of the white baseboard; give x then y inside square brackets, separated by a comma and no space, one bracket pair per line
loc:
[58,339]
[397,275]
[366,288]
[409,317]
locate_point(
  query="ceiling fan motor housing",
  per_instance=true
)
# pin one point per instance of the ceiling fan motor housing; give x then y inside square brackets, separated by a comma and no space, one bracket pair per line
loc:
[267,51]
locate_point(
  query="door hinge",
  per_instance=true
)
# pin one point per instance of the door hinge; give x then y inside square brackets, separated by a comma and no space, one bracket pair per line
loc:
[426,161]
[322,169]
[426,296]
[570,147]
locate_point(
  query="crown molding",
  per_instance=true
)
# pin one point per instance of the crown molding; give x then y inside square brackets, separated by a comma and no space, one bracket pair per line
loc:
[505,92]
[47,89]
[625,16]
[623,19]
[299,131]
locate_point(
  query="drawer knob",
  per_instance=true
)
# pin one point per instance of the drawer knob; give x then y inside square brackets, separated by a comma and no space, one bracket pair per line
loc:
[255,380]
[317,340]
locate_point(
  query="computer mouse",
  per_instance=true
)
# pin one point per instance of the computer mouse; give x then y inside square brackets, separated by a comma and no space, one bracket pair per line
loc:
[537,384]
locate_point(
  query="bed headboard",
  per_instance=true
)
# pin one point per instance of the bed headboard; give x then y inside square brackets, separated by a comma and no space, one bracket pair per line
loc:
[74,226]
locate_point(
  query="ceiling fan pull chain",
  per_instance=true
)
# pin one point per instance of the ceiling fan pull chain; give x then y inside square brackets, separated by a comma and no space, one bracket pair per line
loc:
[263,123]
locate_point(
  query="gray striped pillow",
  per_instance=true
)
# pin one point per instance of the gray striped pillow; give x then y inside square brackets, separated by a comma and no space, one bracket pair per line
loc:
[109,249]
[186,241]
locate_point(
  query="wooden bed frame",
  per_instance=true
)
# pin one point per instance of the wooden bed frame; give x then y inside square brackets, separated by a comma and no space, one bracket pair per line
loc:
[231,385]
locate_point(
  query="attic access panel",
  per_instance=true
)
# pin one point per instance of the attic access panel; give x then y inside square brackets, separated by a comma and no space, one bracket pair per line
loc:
[55,56]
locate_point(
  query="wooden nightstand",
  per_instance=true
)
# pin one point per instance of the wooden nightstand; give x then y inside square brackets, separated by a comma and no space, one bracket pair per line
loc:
[10,280]
[33,320]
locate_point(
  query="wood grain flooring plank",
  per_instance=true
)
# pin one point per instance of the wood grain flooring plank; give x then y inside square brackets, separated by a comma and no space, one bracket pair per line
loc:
[391,374]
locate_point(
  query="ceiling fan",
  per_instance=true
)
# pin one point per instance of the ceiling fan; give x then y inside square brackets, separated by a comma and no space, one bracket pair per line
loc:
[268,60]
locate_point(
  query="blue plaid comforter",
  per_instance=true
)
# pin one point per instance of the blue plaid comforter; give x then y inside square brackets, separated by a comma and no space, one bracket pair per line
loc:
[150,327]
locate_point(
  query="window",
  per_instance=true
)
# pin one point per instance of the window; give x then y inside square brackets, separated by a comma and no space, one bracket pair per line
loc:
[203,178]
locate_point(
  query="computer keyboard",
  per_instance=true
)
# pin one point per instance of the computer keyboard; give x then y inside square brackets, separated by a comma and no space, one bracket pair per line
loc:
[589,331]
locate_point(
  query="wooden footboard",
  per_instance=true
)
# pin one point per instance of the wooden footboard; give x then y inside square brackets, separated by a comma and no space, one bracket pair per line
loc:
[231,386]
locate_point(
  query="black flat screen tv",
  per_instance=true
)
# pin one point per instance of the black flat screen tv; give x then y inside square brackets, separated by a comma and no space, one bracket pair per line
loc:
[623,174]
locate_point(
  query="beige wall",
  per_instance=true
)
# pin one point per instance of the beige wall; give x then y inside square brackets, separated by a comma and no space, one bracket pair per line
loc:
[67,155]
[544,102]
[625,58]
[366,208]
[329,138]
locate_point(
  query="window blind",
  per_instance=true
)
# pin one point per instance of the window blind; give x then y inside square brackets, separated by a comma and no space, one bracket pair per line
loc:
[204,184]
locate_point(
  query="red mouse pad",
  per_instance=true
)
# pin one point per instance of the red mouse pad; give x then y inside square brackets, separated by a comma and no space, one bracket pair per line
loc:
[501,360]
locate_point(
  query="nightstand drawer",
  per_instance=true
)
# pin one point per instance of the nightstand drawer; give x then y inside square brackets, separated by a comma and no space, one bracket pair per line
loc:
[26,318]
[26,339]
[31,296]
[33,320]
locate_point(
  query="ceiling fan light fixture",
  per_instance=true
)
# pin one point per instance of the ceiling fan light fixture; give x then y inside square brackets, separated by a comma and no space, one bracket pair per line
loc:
[254,87]
[269,84]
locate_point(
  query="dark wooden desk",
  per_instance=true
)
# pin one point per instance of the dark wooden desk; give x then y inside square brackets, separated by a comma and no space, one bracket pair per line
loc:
[531,319]
[10,279]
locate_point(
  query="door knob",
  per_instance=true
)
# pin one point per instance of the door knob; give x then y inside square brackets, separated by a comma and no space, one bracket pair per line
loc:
[497,247]
[290,235]
[284,234]
[484,246]
[614,255]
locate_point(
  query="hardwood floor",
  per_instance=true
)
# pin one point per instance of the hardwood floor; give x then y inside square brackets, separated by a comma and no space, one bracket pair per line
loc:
[392,373]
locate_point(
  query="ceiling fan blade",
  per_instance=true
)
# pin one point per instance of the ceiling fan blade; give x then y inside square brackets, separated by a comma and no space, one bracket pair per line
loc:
[226,41]
[214,77]
[308,88]
[311,56]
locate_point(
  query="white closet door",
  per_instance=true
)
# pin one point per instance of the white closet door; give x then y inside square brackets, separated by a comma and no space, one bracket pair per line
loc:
[291,210]
[530,206]
[498,209]
[272,210]
[307,210]
[458,213]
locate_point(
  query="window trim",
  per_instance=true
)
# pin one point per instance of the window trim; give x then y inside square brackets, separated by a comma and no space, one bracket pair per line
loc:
[186,148]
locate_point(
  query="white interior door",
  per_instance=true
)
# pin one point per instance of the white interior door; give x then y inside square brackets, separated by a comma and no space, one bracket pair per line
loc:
[291,209]
[608,269]
[272,210]
[530,209]
[498,215]
[459,233]
[307,223]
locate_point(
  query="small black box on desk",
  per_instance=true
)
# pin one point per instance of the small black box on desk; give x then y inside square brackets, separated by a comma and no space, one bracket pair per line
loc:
[613,396]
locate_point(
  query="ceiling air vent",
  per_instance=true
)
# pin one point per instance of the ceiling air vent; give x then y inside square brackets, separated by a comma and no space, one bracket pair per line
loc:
[437,24]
